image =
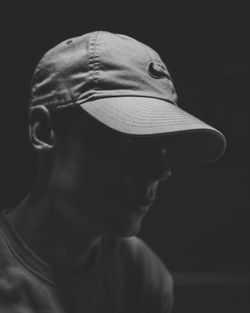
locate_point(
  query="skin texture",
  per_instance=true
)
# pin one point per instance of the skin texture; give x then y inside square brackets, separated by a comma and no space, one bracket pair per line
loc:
[92,182]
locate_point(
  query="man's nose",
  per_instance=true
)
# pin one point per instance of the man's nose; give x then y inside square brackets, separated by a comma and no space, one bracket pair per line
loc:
[157,171]
[154,165]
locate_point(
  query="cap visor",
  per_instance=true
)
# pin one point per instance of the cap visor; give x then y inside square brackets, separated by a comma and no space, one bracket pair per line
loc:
[150,116]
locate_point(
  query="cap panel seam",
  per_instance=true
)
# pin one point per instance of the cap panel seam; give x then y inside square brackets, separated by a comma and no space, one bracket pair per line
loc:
[97,63]
[148,53]
[94,59]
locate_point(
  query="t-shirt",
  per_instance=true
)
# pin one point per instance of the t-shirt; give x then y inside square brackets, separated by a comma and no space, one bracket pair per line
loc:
[126,277]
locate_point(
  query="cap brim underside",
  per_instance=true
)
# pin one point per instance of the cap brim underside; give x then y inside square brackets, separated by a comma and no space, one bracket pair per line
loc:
[150,116]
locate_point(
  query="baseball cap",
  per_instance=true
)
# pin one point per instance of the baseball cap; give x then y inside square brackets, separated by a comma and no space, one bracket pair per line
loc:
[124,84]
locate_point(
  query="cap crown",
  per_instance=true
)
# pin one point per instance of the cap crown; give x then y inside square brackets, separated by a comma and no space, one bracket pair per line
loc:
[99,65]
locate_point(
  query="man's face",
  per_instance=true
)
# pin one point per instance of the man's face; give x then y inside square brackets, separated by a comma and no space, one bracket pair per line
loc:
[108,180]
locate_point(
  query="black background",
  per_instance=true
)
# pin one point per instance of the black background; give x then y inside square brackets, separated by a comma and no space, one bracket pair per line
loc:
[200,222]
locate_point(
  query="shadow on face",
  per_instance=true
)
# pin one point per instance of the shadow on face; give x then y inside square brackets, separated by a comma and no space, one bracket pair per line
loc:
[101,178]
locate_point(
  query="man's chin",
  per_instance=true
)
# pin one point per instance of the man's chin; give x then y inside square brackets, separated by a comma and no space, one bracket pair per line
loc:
[130,232]
[125,229]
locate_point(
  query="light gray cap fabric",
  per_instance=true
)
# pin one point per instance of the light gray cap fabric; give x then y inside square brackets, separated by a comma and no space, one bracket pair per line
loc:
[125,85]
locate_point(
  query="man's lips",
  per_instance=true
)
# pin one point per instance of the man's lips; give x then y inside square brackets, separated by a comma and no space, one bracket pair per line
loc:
[143,203]
[137,196]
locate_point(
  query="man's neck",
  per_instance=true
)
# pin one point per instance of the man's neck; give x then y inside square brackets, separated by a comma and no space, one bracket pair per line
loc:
[38,226]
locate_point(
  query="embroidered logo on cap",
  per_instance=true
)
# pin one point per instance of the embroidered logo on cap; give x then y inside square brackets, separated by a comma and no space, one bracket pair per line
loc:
[156,70]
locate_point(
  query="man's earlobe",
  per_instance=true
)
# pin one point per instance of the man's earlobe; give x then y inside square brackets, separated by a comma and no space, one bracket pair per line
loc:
[42,136]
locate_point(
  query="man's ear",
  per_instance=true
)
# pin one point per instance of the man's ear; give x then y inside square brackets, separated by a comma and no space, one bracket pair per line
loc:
[42,136]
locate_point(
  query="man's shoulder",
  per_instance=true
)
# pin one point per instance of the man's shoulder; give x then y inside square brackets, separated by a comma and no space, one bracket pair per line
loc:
[136,255]
[138,251]
[144,276]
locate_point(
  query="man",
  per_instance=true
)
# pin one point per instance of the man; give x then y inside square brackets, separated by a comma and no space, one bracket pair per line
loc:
[102,114]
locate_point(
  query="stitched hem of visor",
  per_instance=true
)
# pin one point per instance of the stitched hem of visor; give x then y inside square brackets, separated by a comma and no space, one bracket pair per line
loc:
[53,106]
